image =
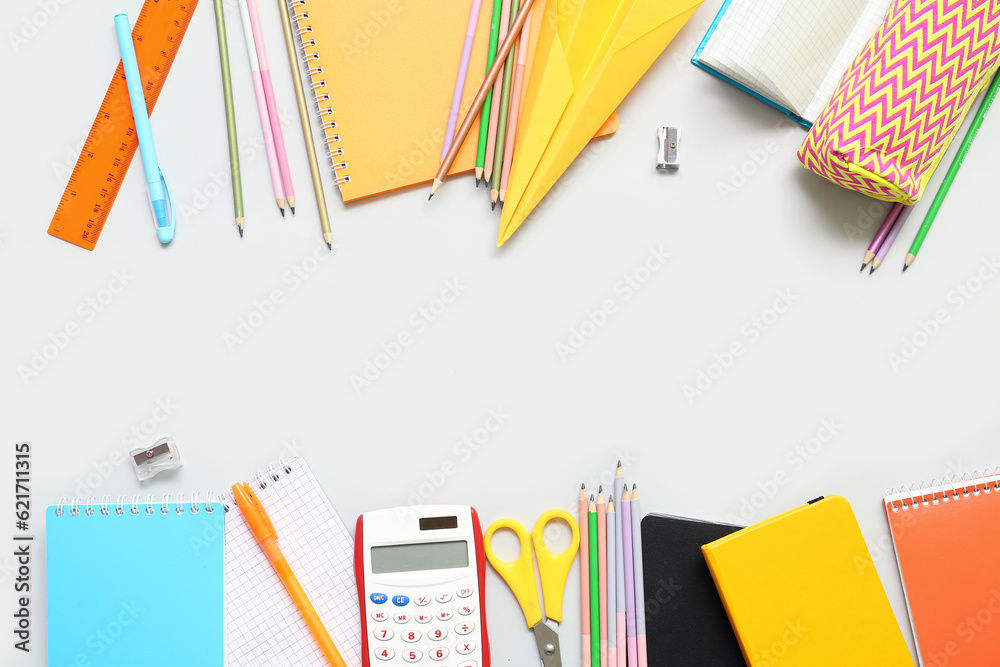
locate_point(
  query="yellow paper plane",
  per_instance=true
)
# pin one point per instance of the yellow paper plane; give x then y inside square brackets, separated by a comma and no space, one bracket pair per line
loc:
[590,54]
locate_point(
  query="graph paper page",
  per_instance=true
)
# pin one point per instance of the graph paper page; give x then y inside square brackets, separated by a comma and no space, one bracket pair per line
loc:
[263,625]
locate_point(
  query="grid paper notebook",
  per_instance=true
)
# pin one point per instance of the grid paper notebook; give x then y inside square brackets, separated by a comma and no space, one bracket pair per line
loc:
[134,583]
[790,53]
[263,625]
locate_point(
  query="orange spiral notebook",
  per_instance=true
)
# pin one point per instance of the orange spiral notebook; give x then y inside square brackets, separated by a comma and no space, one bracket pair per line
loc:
[383,74]
[948,551]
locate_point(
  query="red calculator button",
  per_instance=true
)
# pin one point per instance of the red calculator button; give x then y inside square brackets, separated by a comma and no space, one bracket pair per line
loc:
[465,648]
[438,653]
[469,663]
[382,634]
[437,634]
[445,615]
[443,597]
[465,627]
[465,592]
[466,609]
[422,600]
[412,655]
[380,616]
[409,636]
[401,618]
[423,618]
[384,653]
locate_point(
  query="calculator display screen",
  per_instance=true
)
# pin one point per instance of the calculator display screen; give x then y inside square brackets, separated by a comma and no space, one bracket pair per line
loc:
[417,557]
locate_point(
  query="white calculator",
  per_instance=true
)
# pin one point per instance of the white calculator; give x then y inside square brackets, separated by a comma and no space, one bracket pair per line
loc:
[421,580]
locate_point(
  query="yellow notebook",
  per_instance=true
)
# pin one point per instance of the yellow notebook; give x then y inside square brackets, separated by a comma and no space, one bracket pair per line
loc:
[801,591]
[383,74]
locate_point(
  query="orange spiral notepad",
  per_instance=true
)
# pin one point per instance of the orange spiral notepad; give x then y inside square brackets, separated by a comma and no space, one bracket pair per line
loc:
[948,550]
[383,74]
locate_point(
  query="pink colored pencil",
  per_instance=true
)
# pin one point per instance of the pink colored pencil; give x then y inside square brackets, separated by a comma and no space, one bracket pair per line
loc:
[602,571]
[619,573]
[515,110]
[612,535]
[272,106]
[630,601]
[491,136]
[584,507]
[265,121]
[882,232]
[463,71]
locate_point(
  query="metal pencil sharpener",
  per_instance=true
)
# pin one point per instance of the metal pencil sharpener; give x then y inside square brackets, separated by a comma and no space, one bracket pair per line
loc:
[668,138]
[162,455]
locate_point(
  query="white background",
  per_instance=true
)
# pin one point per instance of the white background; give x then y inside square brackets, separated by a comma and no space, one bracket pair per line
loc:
[287,388]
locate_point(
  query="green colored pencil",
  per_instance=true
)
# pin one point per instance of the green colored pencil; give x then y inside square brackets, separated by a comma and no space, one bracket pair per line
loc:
[595,607]
[508,75]
[227,93]
[484,118]
[949,177]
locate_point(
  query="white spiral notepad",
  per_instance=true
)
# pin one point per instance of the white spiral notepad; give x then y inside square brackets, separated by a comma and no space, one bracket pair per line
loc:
[263,625]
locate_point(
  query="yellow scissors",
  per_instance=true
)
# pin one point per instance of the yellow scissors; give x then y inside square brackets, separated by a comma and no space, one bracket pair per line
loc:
[520,576]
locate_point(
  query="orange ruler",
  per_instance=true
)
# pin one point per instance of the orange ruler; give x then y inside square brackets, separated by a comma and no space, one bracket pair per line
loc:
[112,141]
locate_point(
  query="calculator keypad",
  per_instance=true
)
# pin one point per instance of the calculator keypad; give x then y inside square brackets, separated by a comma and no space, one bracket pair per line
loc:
[454,633]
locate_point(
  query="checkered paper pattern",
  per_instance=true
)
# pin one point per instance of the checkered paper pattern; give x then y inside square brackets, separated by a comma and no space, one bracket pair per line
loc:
[903,100]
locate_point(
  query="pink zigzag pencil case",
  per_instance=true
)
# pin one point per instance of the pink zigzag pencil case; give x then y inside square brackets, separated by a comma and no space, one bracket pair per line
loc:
[903,100]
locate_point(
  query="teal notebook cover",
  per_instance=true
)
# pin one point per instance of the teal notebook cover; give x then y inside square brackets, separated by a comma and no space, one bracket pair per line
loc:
[134,589]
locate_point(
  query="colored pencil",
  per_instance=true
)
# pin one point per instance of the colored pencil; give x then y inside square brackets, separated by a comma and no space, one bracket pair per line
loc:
[272,106]
[612,532]
[508,77]
[883,249]
[595,612]
[630,601]
[620,572]
[640,593]
[463,72]
[491,76]
[484,117]
[306,120]
[880,235]
[949,177]
[227,96]
[584,576]
[265,120]
[491,131]
[602,572]
[516,100]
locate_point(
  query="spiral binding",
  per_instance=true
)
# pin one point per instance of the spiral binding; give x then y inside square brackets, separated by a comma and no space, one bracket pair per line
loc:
[135,506]
[261,480]
[300,18]
[945,490]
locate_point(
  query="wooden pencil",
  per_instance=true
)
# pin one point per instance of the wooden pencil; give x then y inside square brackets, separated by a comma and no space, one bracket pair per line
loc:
[470,118]
[584,575]
[508,78]
[516,100]
[227,96]
[491,131]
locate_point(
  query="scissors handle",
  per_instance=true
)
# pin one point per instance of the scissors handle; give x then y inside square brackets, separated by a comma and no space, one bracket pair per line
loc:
[554,568]
[519,574]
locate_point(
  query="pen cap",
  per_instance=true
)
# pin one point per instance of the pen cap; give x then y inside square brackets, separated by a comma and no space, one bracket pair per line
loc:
[254,513]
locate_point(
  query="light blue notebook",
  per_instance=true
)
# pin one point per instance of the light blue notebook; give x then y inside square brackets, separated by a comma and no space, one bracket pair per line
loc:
[139,587]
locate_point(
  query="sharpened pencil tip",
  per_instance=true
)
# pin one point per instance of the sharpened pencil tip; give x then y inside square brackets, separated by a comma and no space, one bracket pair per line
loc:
[429,196]
[293,209]
[329,245]
[477,182]
[583,486]
[282,212]
[905,267]
[619,463]
[493,206]
[871,270]
[863,266]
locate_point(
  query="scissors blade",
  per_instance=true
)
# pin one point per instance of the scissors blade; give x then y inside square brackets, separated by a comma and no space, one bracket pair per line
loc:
[547,640]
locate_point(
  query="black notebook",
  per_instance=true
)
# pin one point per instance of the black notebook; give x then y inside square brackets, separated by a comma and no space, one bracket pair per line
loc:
[686,624]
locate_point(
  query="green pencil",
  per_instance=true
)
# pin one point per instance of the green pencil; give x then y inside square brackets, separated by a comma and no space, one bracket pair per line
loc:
[508,74]
[484,118]
[949,177]
[227,93]
[595,607]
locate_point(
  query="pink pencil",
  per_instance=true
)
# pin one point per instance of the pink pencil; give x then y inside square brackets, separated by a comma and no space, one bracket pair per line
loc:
[897,226]
[463,71]
[630,601]
[584,565]
[602,571]
[272,107]
[882,232]
[491,136]
[265,121]
[515,112]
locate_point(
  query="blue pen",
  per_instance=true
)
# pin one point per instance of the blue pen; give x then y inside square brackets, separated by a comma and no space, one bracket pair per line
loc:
[159,193]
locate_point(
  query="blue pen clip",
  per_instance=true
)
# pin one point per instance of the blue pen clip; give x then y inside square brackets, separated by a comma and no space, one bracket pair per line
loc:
[164,232]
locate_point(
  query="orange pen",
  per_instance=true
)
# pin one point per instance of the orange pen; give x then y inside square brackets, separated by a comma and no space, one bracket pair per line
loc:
[263,530]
